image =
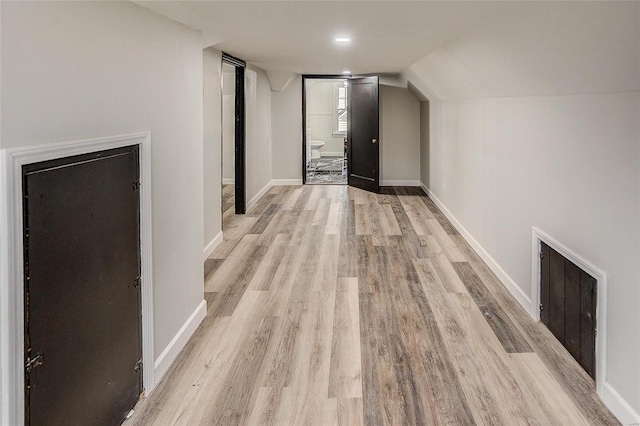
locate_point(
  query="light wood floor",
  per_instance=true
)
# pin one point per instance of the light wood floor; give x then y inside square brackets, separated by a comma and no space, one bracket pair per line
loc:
[329,305]
[228,203]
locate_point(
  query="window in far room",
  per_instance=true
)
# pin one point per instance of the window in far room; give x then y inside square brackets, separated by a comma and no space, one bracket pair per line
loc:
[340,108]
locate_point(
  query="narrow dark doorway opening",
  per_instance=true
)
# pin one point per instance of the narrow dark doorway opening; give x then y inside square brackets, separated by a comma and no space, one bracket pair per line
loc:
[239,132]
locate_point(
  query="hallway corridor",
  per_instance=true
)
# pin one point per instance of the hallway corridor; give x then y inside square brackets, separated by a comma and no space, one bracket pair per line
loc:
[330,305]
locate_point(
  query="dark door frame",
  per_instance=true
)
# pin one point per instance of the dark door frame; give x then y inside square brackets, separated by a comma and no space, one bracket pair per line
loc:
[240,133]
[304,112]
[369,180]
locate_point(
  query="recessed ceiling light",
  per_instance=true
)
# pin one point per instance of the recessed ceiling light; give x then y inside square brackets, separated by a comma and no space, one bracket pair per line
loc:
[346,72]
[343,39]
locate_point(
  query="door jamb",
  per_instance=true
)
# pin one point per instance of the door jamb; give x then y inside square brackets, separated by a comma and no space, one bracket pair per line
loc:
[12,403]
[304,112]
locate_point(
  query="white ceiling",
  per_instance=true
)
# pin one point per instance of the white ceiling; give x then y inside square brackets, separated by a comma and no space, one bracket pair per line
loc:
[456,48]
[298,36]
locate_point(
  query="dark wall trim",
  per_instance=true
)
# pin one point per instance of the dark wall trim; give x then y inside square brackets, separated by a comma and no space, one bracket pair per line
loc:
[240,133]
[233,60]
[304,113]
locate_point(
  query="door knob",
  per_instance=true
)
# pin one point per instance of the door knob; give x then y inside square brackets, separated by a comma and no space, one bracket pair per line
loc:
[374,140]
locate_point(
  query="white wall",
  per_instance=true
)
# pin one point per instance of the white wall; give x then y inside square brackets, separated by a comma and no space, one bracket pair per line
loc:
[258,138]
[76,70]
[320,117]
[286,131]
[399,136]
[424,143]
[568,165]
[212,60]
[228,122]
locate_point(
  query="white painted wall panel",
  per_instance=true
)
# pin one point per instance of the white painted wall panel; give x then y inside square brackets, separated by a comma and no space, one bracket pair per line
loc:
[212,140]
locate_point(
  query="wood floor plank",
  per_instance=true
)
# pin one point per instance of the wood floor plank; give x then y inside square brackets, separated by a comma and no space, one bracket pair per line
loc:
[326,274]
[345,377]
[450,278]
[363,225]
[261,206]
[264,219]
[210,267]
[236,283]
[265,408]
[321,217]
[544,390]
[500,323]
[233,266]
[350,412]
[269,265]
[416,211]
[333,218]
[239,387]
[388,220]
[448,245]
[331,305]
[490,362]
[292,198]
[312,356]
[234,230]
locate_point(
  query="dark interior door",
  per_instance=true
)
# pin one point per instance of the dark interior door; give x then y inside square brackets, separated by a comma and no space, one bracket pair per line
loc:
[568,306]
[363,140]
[82,289]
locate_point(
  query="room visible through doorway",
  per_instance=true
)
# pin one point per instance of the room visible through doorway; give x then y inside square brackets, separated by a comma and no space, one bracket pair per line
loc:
[326,124]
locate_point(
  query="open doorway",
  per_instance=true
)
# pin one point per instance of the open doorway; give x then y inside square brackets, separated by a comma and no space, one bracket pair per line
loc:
[228,140]
[341,131]
[233,137]
[325,130]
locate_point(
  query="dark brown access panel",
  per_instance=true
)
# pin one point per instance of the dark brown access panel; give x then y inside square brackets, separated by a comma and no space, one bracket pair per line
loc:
[568,306]
[82,289]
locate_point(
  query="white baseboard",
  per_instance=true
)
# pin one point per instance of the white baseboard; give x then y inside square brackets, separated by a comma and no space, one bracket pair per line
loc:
[252,202]
[228,181]
[213,244]
[506,280]
[171,352]
[331,154]
[619,406]
[280,182]
[399,183]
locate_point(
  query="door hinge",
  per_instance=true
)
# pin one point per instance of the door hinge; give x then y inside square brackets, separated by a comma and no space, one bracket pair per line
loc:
[541,255]
[138,366]
[137,281]
[136,185]
[33,363]
[541,307]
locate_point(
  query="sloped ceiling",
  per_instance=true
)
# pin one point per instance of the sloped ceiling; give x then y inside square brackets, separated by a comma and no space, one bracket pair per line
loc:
[444,49]
[545,49]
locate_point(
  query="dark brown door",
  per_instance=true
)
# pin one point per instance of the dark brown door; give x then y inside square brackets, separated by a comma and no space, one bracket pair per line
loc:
[363,139]
[568,306]
[82,292]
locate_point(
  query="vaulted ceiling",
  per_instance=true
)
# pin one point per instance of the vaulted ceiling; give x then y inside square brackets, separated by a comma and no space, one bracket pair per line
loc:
[447,49]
